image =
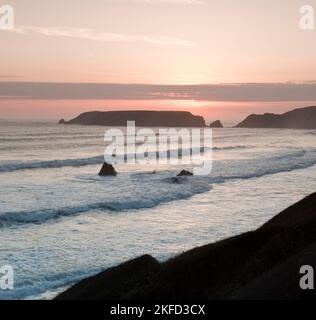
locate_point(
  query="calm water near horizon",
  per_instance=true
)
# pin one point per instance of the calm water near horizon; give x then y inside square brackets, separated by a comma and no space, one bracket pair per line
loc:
[60,222]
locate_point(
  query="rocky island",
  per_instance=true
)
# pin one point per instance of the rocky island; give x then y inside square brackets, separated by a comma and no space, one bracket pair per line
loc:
[302,118]
[141,118]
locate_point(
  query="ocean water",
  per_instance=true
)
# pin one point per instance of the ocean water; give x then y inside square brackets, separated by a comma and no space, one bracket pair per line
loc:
[60,222]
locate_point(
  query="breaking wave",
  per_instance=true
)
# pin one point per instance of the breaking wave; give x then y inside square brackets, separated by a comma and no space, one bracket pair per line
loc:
[190,187]
[43,215]
[28,165]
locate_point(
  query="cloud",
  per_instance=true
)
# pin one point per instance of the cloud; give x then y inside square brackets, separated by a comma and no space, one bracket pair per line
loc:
[239,92]
[8,76]
[89,34]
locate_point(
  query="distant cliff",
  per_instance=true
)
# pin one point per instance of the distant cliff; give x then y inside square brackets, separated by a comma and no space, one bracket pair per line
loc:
[303,118]
[141,118]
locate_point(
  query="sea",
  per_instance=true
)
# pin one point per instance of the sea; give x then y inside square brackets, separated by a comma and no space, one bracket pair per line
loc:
[60,222]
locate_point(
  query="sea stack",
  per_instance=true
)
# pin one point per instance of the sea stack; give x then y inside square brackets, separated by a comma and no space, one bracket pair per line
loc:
[107,170]
[216,124]
[62,121]
[185,173]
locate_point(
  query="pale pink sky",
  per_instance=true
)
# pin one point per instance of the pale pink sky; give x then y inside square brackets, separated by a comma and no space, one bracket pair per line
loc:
[170,42]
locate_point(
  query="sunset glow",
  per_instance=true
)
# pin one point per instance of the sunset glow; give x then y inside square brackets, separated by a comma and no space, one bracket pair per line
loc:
[155,42]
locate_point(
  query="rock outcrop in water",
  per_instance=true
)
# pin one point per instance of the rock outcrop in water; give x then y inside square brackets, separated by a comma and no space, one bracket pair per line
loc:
[216,124]
[141,118]
[304,118]
[62,121]
[261,264]
[185,173]
[107,170]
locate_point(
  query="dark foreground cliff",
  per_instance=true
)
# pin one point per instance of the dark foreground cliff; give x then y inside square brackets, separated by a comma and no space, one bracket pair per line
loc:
[141,118]
[303,118]
[262,264]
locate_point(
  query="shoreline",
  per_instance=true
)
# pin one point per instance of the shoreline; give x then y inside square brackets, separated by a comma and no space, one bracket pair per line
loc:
[260,264]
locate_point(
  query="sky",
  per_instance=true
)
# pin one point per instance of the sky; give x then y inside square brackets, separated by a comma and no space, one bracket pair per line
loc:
[221,59]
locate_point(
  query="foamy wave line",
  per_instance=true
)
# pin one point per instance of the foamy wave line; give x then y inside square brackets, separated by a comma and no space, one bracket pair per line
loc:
[227,148]
[294,154]
[267,171]
[34,288]
[203,185]
[47,138]
[43,215]
[14,166]
[32,137]
[8,167]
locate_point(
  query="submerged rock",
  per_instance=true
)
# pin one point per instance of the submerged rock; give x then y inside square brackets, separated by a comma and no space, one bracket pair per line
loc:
[179,180]
[107,170]
[185,173]
[175,180]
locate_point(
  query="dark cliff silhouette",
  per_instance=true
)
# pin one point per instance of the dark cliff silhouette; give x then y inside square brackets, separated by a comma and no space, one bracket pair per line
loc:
[141,118]
[261,264]
[216,124]
[303,118]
